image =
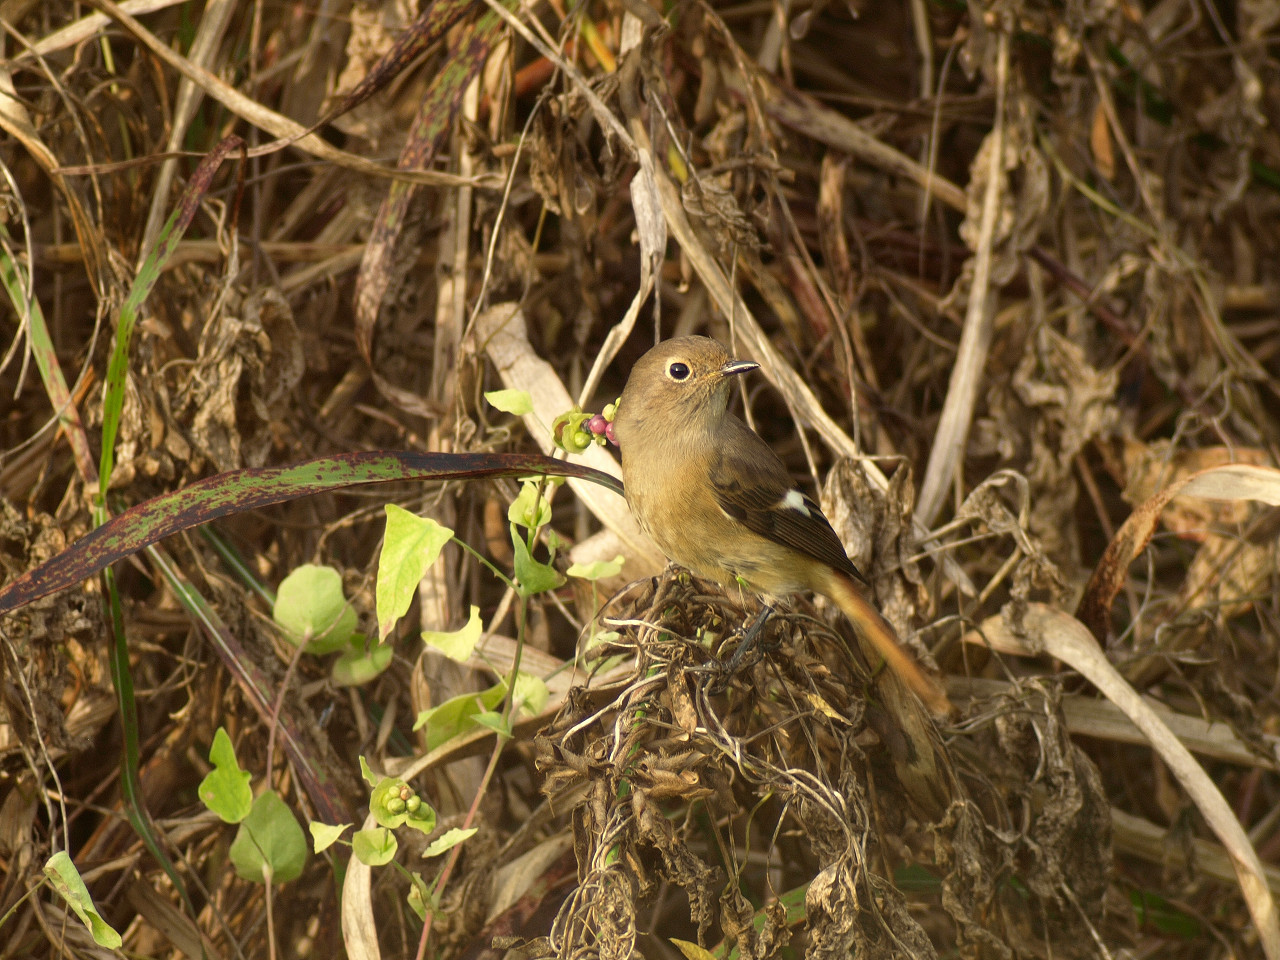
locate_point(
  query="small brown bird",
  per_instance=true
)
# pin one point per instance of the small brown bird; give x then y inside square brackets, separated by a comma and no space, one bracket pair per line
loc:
[716,498]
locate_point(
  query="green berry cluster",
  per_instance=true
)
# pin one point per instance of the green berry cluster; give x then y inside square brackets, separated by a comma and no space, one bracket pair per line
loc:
[395,802]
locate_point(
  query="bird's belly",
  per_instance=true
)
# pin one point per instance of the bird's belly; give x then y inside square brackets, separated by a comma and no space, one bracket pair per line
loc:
[767,570]
[734,557]
[763,566]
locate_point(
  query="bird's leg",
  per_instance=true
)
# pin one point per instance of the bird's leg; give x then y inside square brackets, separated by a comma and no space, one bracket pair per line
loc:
[725,671]
[749,639]
[748,642]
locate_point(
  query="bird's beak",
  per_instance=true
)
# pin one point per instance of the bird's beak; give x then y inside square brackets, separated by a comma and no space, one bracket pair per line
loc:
[738,366]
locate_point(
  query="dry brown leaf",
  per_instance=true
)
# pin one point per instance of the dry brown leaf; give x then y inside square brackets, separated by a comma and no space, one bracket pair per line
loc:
[243,378]
[1233,482]
[1152,467]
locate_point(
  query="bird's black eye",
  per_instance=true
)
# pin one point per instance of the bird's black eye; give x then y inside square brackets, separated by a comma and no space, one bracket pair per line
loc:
[677,370]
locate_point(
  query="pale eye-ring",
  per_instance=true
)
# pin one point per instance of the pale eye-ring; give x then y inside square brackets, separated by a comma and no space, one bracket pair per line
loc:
[677,370]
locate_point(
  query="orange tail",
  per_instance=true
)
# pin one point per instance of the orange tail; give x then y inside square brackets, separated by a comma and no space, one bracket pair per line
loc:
[867,620]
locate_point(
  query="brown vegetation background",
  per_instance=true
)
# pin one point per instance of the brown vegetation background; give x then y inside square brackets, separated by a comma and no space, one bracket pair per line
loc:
[1010,269]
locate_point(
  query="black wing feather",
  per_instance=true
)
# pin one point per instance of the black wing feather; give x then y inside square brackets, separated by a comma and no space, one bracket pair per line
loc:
[750,484]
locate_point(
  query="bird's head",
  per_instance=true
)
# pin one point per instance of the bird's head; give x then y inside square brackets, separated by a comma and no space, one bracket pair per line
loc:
[682,381]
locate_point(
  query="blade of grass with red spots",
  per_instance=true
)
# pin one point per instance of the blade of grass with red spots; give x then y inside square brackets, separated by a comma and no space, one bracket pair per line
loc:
[239,490]
[427,28]
[112,406]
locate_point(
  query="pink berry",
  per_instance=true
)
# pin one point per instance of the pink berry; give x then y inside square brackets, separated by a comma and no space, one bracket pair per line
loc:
[597,424]
[608,432]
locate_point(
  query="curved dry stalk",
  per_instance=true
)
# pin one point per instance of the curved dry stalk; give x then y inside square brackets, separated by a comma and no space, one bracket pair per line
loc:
[1236,481]
[501,332]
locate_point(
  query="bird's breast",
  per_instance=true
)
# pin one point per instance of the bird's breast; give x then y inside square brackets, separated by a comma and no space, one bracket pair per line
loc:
[675,507]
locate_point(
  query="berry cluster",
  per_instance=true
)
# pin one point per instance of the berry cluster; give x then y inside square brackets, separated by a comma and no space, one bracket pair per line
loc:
[576,430]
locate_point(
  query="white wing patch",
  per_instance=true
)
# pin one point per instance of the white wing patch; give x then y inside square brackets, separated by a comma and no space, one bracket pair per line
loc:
[794,500]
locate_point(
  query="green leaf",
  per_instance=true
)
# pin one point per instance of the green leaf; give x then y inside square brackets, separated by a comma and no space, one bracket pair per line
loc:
[555,543]
[324,835]
[604,636]
[517,402]
[269,846]
[531,692]
[459,644]
[447,841]
[358,665]
[456,715]
[374,847]
[225,790]
[311,609]
[532,577]
[411,545]
[492,720]
[417,898]
[1154,910]
[64,876]
[387,802]
[917,878]
[599,570]
[369,777]
[532,506]
[546,479]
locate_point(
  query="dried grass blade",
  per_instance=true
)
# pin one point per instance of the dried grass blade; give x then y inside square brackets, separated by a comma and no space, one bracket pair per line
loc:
[1142,838]
[27,308]
[427,28]
[289,132]
[16,124]
[468,49]
[806,114]
[213,24]
[952,435]
[88,27]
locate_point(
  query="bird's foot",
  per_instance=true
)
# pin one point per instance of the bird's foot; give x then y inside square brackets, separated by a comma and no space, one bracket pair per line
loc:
[749,644]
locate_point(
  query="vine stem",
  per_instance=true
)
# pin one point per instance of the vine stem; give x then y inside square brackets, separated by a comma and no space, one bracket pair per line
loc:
[499,742]
[457,850]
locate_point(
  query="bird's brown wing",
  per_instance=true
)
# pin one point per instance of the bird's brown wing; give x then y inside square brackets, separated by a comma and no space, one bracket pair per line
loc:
[752,486]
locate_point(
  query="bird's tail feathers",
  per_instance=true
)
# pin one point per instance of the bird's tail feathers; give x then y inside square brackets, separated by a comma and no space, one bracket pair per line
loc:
[867,620]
